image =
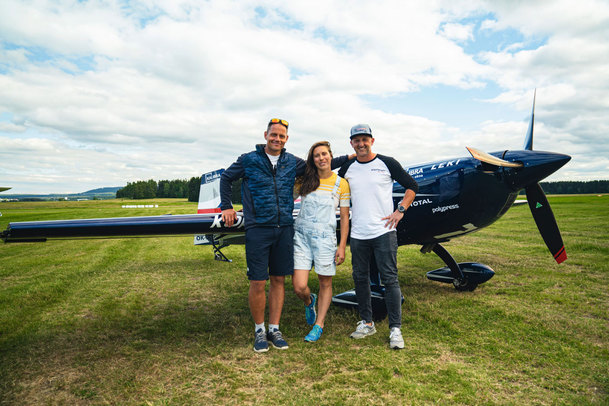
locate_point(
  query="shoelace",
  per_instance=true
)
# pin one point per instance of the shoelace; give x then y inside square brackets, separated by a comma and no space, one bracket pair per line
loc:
[277,335]
[361,325]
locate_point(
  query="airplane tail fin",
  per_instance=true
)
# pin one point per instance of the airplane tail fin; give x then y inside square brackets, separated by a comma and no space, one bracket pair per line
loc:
[528,141]
[209,194]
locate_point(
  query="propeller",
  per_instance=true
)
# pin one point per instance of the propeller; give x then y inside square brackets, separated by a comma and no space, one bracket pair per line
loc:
[493,160]
[538,203]
[546,223]
[538,166]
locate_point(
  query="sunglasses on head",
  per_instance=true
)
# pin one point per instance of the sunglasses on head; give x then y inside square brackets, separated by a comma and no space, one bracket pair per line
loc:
[278,121]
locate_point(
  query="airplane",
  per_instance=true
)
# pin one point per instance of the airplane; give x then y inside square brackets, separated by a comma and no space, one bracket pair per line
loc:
[456,197]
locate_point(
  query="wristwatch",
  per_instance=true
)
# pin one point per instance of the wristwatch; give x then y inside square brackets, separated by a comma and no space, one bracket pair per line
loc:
[401,208]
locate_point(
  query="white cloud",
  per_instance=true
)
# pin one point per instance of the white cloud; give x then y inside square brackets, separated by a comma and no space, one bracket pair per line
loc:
[457,32]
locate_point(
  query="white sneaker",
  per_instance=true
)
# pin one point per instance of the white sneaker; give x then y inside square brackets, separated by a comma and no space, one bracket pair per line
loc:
[396,342]
[363,330]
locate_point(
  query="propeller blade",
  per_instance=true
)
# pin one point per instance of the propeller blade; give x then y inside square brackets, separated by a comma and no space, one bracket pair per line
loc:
[493,160]
[546,223]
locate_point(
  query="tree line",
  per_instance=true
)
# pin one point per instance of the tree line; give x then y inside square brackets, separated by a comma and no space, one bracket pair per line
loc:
[149,189]
[179,188]
[575,187]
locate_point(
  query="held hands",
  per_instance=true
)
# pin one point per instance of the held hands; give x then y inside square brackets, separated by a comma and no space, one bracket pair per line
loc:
[339,258]
[393,219]
[229,216]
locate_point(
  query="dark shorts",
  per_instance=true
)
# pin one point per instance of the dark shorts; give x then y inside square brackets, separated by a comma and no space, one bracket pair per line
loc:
[269,251]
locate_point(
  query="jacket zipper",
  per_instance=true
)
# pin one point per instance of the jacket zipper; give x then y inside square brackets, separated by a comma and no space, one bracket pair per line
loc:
[277,198]
[273,171]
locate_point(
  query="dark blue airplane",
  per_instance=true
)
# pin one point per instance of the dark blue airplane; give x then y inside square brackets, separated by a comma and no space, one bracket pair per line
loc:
[456,197]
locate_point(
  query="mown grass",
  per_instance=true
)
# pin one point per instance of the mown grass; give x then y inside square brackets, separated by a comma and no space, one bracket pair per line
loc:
[158,321]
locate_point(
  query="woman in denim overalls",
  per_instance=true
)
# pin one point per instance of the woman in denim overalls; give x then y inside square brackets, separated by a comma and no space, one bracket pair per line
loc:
[322,192]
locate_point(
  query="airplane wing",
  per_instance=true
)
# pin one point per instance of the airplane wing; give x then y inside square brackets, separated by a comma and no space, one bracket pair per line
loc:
[37,231]
[207,224]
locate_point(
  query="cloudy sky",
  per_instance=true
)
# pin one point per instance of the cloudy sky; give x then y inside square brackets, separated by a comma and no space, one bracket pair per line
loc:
[101,93]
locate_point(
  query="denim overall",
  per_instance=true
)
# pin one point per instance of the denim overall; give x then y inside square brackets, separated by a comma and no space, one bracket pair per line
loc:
[315,231]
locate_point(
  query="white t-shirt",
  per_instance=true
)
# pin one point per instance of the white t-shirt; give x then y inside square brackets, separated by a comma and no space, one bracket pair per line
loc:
[274,159]
[371,185]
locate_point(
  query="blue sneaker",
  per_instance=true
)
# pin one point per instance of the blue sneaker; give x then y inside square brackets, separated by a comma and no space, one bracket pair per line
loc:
[314,334]
[260,343]
[277,340]
[310,310]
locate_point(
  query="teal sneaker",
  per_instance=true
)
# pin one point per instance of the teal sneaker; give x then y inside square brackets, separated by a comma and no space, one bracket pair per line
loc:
[314,334]
[310,313]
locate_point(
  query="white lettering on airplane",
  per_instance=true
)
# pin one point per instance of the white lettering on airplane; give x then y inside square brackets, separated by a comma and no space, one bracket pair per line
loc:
[218,222]
[444,208]
[445,164]
[415,172]
[212,176]
[420,202]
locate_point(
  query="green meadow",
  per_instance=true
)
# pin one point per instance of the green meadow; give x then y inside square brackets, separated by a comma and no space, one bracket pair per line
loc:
[156,321]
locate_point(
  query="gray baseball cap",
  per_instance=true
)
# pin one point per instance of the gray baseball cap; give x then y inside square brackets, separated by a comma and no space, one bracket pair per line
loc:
[361,129]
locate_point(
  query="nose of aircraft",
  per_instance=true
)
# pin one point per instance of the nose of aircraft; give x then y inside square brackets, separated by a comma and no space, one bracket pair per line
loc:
[537,165]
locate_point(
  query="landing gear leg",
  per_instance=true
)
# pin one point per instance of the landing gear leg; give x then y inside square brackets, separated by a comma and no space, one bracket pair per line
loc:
[219,255]
[459,280]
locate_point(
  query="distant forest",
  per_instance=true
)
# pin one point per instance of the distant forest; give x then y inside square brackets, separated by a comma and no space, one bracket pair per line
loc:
[575,188]
[182,188]
[149,189]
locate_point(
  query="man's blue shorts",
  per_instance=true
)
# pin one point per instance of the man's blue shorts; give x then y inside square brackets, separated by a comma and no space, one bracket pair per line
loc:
[269,251]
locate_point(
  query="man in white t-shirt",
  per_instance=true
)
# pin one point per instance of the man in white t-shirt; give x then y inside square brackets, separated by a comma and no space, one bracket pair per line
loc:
[373,224]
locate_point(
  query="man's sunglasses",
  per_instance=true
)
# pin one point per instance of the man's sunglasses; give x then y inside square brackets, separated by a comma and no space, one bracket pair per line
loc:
[278,121]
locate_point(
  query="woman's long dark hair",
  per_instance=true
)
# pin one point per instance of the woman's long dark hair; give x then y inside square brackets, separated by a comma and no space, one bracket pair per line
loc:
[309,182]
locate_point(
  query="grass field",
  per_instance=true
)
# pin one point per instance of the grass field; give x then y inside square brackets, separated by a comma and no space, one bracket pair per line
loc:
[158,322]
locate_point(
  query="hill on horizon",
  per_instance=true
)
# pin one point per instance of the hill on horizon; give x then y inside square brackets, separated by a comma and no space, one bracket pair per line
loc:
[112,189]
[108,192]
